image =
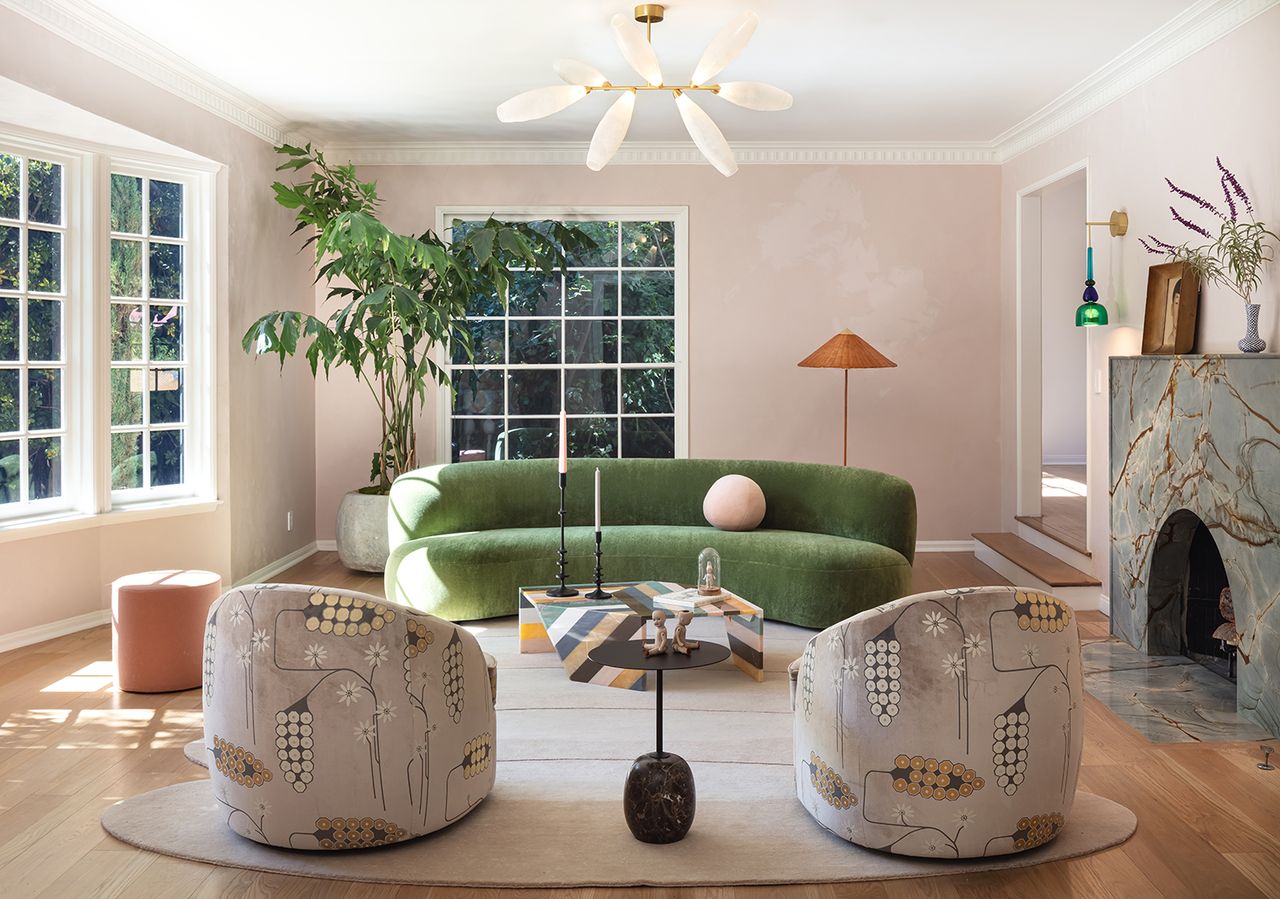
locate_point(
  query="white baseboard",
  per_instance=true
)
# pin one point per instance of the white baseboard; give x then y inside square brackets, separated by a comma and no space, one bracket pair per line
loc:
[326,546]
[1064,460]
[944,546]
[1104,604]
[42,632]
[267,572]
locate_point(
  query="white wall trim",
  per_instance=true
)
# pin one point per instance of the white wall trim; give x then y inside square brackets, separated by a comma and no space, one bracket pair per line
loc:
[658,153]
[326,546]
[1178,39]
[54,629]
[944,546]
[1065,460]
[89,27]
[270,570]
[1104,604]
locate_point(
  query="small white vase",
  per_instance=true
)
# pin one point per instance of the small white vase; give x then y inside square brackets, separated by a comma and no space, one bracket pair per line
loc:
[1251,342]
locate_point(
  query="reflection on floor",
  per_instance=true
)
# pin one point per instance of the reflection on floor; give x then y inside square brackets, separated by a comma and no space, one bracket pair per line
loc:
[1063,506]
[1167,699]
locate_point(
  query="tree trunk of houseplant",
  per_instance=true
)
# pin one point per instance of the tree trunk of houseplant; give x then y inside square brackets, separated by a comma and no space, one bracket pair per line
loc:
[362,531]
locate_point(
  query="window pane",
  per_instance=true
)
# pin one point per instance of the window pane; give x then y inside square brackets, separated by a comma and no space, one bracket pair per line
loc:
[44,192]
[166,334]
[166,458]
[10,185]
[44,399]
[44,467]
[10,471]
[649,438]
[535,341]
[44,261]
[593,438]
[605,234]
[126,461]
[166,271]
[648,341]
[648,293]
[126,332]
[648,244]
[474,439]
[536,438]
[9,260]
[166,396]
[588,341]
[648,390]
[9,328]
[10,380]
[44,330]
[487,344]
[591,293]
[459,229]
[126,396]
[126,268]
[533,293]
[126,204]
[591,390]
[477,392]
[534,392]
[485,304]
[166,209]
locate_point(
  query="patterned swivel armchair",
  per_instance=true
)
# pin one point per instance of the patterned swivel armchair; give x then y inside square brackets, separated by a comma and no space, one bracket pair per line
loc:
[945,724]
[336,720]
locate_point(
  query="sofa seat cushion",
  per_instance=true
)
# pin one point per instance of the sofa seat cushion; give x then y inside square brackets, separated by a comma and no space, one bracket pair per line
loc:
[802,578]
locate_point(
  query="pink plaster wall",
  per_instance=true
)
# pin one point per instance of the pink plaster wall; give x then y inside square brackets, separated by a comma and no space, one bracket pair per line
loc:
[780,258]
[1221,101]
[266,433]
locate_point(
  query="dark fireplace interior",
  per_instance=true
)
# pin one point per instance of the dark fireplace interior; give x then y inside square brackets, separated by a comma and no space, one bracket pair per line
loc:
[1185,595]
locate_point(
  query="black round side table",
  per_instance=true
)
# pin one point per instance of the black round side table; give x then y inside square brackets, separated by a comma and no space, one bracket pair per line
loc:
[658,800]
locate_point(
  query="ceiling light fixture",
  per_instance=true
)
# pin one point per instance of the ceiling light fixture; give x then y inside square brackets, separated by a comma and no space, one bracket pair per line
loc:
[637,48]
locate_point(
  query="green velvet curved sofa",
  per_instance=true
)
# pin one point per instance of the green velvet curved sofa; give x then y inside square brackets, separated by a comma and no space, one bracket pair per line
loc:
[834,541]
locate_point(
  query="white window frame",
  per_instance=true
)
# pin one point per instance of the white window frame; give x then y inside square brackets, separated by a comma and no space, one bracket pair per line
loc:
[679,215]
[87,497]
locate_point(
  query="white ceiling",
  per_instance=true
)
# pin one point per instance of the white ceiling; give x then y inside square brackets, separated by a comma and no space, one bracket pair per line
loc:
[431,70]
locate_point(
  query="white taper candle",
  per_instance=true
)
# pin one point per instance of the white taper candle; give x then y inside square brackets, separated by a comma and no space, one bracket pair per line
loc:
[597,500]
[564,442]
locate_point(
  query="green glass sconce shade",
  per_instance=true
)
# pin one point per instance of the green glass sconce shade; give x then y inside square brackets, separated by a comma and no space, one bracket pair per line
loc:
[1090,313]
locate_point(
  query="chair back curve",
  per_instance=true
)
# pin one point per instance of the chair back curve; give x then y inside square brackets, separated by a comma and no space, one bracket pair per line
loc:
[337,720]
[945,724]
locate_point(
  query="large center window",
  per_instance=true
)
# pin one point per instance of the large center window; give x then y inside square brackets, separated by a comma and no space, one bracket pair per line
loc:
[604,341]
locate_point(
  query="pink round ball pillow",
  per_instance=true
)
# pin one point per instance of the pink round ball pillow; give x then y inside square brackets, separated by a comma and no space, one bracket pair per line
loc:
[734,503]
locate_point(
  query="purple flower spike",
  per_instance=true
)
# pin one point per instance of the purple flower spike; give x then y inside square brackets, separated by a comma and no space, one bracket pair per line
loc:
[1235,185]
[1198,200]
[1189,224]
[1157,247]
[1231,203]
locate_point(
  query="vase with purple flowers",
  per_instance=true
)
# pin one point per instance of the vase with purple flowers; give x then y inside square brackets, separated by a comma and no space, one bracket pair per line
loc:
[1234,257]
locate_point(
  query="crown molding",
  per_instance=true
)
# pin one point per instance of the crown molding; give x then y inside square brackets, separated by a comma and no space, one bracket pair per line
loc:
[658,153]
[1181,37]
[87,26]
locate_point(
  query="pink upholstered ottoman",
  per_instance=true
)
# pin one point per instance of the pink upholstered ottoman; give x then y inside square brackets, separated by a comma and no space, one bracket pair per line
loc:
[157,628]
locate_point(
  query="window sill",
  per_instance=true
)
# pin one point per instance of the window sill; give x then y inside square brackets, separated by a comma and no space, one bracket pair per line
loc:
[30,528]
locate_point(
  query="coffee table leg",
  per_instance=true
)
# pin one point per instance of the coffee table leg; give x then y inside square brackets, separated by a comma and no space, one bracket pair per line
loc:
[659,799]
[746,643]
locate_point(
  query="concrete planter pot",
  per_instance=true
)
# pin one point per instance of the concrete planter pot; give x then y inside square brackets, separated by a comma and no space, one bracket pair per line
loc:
[362,531]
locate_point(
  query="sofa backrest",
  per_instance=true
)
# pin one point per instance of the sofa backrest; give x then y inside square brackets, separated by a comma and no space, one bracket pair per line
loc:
[822,499]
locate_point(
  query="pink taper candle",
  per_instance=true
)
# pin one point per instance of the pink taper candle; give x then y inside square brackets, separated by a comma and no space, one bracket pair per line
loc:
[564,442]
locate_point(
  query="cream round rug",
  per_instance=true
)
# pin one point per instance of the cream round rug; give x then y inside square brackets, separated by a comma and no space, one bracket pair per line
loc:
[554,819]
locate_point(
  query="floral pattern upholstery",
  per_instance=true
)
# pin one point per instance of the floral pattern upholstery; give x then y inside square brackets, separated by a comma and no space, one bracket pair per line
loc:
[946,724]
[337,720]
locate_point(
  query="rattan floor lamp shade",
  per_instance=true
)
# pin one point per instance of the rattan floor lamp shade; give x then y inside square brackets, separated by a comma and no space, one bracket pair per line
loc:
[846,350]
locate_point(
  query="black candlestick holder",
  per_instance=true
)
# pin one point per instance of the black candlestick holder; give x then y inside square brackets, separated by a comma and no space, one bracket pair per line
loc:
[562,590]
[598,593]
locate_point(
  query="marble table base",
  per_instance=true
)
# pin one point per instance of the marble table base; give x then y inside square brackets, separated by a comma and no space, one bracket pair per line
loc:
[1166,698]
[658,801]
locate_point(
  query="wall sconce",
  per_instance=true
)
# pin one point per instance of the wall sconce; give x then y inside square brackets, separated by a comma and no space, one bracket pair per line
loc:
[1091,313]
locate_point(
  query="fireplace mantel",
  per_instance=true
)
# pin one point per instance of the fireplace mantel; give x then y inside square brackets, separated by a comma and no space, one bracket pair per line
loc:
[1201,433]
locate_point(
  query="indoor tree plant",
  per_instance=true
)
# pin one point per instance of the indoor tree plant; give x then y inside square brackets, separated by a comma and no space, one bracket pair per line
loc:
[393,300]
[1234,258]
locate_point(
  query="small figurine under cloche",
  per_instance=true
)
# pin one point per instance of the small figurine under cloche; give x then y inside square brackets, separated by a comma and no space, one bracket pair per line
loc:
[708,572]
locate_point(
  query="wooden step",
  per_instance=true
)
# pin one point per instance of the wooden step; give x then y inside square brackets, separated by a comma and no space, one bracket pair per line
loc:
[1034,560]
[1071,541]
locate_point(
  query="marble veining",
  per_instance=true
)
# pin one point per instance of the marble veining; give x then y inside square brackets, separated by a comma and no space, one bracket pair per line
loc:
[1201,434]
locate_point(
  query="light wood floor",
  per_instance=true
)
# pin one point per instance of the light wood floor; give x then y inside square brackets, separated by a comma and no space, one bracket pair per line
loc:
[1063,517]
[1209,820]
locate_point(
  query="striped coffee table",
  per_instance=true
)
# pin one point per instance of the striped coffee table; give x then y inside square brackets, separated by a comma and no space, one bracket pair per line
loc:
[573,626]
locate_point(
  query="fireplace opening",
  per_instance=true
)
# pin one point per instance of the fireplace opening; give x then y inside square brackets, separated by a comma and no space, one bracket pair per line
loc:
[1190,611]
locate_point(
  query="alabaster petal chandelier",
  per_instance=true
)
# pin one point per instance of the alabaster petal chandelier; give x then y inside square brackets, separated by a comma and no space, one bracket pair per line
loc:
[634,40]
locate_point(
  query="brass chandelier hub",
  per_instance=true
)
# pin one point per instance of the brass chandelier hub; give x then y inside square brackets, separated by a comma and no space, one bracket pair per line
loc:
[650,13]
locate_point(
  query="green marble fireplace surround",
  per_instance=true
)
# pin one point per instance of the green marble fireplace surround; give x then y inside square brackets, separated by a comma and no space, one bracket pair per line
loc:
[1198,435]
